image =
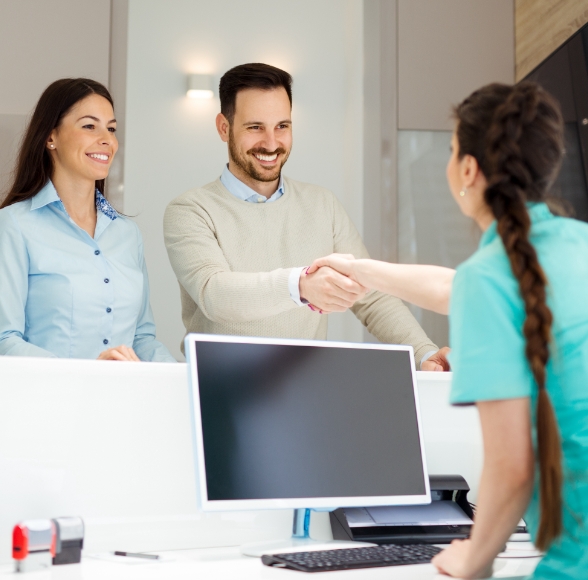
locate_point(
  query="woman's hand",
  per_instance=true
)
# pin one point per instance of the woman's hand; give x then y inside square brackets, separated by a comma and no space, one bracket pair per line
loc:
[342,263]
[121,352]
[457,561]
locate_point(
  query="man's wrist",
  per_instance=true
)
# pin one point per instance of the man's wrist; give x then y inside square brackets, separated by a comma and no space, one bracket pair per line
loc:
[294,285]
[426,357]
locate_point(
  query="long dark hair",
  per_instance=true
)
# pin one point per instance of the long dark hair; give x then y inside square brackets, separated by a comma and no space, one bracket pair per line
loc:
[34,166]
[516,135]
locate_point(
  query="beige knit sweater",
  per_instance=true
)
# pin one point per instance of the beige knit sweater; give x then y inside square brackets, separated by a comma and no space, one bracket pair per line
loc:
[232,259]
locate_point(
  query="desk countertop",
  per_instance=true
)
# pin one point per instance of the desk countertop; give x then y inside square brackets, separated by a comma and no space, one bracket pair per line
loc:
[229,564]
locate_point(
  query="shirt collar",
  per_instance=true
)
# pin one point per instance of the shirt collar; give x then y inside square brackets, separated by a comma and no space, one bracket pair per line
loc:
[46,196]
[49,195]
[538,212]
[242,191]
[104,206]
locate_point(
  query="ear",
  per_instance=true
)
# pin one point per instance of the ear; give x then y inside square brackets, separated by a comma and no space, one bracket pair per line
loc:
[470,170]
[223,127]
[51,143]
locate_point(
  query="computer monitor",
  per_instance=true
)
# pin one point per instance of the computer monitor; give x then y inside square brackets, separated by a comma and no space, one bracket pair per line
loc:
[304,424]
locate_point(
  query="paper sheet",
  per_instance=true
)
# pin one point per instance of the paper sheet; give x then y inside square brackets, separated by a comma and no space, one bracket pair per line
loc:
[437,513]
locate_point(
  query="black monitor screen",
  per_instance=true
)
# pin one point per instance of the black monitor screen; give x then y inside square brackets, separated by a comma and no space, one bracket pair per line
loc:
[293,421]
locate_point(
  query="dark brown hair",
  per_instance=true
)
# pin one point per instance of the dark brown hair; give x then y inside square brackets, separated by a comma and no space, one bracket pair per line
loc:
[34,166]
[515,134]
[254,75]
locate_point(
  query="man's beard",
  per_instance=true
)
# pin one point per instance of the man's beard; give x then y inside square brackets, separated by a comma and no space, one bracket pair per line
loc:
[247,165]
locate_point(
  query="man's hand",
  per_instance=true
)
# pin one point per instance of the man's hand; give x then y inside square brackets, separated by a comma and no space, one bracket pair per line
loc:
[330,291]
[438,361]
[122,352]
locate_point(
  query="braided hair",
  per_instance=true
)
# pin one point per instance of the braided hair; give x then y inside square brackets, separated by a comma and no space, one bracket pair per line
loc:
[515,133]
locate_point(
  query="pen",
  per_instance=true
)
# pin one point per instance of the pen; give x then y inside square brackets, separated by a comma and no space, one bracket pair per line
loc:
[137,555]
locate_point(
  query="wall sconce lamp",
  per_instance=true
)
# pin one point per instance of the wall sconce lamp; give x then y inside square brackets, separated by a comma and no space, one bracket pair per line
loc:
[200,86]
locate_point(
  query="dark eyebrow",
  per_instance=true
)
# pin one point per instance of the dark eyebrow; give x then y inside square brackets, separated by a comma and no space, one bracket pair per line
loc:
[96,119]
[287,121]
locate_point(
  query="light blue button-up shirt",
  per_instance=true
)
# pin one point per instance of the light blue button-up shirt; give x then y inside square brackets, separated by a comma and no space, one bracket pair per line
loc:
[242,191]
[66,294]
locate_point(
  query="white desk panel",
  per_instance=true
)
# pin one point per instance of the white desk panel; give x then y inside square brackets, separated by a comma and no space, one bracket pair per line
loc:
[111,442]
[453,438]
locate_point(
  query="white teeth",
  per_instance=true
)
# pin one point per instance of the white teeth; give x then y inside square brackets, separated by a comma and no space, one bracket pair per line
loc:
[267,157]
[98,156]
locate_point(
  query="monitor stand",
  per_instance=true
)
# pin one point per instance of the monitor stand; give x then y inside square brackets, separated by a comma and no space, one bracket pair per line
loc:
[300,541]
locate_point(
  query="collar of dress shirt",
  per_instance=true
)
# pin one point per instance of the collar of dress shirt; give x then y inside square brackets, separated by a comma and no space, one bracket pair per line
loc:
[49,195]
[241,191]
[46,196]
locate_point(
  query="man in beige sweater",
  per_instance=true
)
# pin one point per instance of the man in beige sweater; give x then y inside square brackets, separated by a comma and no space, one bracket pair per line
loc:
[240,245]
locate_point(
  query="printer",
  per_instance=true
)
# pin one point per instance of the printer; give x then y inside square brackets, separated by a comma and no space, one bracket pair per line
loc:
[449,516]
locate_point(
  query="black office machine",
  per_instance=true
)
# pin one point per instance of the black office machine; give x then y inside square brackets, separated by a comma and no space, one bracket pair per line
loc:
[69,540]
[449,516]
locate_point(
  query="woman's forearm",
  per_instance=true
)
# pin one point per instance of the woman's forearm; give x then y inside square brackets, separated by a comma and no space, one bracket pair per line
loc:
[426,286]
[507,477]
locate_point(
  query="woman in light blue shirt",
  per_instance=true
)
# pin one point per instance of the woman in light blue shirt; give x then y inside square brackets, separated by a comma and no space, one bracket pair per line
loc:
[518,330]
[73,281]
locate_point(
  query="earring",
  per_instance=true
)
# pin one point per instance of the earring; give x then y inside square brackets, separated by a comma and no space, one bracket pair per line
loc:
[463,191]
[51,146]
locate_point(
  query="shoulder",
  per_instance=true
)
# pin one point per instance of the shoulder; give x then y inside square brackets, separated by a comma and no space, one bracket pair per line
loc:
[13,215]
[319,199]
[128,226]
[561,229]
[197,197]
[308,189]
[17,209]
[486,276]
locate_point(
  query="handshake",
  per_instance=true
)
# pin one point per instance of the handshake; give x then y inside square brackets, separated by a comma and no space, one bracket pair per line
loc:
[336,282]
[328,284]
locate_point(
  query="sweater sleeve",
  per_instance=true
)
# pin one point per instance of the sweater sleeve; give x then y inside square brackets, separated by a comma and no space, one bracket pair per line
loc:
[385,316]
[201,268]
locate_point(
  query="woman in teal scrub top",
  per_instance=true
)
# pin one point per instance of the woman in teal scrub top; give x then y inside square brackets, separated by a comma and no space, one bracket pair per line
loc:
[518,313]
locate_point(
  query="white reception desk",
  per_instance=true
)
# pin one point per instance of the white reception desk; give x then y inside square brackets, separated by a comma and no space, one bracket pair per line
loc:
[111,442]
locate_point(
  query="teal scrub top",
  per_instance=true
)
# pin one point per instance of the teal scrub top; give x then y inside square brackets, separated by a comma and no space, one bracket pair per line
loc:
[488,359]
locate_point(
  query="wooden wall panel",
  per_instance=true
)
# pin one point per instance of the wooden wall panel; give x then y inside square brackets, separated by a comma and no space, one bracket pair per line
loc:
[541,26]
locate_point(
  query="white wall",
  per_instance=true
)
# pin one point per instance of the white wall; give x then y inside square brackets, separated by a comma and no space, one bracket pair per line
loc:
[171,141]
[41,42]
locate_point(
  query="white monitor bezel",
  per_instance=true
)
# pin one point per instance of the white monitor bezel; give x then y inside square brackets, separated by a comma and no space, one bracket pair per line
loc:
[319,503]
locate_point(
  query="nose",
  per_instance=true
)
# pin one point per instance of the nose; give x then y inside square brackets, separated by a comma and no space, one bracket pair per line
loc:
[270,142]
[107,137]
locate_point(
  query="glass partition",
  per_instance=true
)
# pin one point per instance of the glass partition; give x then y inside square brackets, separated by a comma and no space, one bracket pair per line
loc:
[431,229]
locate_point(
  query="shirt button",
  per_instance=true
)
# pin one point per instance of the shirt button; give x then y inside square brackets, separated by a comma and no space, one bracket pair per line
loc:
[106,280]
[97,252]
[105,341]
[109,310]
[260,199]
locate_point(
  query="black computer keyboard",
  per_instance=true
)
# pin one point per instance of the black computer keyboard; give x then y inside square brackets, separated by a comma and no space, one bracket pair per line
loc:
[349,558]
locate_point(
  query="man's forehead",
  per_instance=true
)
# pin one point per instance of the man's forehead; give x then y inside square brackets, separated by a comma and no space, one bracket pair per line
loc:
[262,101]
